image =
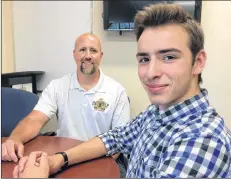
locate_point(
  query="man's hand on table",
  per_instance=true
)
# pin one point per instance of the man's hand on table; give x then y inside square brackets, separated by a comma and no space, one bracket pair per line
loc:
[54,162]
[12,150]
[30,167]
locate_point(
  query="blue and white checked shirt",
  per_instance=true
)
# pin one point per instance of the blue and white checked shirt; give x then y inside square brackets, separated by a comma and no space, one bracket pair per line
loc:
[186,140]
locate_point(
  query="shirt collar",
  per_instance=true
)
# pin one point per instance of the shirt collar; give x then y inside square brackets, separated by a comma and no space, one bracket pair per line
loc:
[188,107]
[97,88]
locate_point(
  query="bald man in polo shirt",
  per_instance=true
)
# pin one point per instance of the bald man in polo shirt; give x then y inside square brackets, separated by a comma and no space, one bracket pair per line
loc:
[87,102]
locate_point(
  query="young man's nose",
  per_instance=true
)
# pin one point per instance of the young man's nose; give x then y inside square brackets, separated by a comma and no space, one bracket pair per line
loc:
[154,69]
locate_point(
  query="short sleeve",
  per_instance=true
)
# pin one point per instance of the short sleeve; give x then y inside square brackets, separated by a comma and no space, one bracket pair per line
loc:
[47,103]
[121,114]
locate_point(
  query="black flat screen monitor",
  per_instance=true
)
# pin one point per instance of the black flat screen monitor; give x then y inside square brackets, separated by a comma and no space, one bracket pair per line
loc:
[119,14]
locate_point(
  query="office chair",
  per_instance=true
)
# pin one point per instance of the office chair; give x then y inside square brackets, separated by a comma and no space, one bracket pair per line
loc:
[16,104]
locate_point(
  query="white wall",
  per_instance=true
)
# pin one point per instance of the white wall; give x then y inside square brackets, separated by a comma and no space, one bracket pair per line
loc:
[120,62]
[44,34]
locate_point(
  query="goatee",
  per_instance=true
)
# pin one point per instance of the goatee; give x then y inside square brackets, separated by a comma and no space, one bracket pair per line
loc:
[87,71]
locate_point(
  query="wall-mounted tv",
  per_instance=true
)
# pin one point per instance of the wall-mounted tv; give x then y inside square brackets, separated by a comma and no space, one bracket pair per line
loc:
[119,14]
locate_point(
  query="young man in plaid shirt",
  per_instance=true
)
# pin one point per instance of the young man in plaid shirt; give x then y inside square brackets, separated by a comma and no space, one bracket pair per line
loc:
[180,134]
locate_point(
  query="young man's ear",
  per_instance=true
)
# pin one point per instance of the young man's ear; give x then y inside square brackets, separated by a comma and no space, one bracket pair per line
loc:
[200,61]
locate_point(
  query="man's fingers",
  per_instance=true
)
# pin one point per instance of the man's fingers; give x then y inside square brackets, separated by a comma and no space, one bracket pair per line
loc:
[33,156]
[5,156]
[20,150]
[29,160]
[10,146]
[44,160]
[16,172]
[38,159]
[37,164]
[22,163]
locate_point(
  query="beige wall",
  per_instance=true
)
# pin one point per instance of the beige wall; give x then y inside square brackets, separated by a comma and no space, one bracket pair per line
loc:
[7,38]
[120,62]
[216,22]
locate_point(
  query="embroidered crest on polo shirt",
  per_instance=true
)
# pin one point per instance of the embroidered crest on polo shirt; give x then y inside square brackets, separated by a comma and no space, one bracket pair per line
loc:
[100,105]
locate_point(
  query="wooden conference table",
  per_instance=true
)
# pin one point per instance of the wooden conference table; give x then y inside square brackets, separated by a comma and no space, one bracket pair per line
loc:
[104,167]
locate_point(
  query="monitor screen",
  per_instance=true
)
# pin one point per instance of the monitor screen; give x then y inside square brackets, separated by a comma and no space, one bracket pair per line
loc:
[119,15]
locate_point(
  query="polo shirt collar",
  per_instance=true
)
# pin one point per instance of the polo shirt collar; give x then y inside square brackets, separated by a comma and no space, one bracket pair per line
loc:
[97,88]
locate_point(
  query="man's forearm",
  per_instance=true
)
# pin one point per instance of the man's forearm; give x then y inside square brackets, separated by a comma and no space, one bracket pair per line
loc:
[29,127]
[91,149]
[25,131]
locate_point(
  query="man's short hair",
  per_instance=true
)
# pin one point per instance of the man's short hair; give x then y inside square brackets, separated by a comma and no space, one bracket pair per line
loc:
[162,14]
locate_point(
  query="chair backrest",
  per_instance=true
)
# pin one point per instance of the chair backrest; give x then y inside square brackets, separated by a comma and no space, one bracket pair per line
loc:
[16,104]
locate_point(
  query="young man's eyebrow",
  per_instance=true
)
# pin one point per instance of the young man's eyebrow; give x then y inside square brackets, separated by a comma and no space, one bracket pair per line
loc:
[141,54]
[168,50]
[162,51]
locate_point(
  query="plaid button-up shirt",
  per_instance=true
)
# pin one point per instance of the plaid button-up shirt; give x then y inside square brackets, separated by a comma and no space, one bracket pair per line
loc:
[186,140]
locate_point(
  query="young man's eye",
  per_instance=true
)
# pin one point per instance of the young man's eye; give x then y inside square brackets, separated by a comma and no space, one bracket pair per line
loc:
[82,50]
[169,58]
[143,60]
